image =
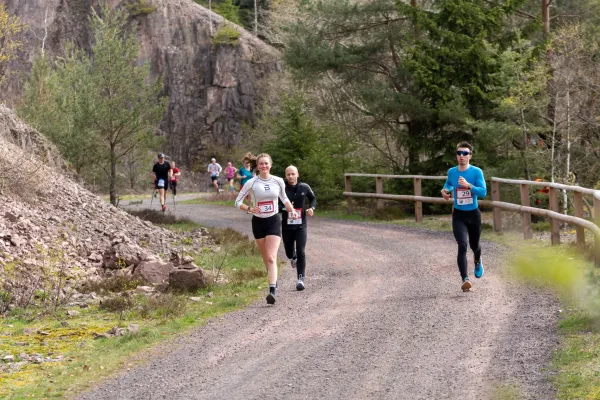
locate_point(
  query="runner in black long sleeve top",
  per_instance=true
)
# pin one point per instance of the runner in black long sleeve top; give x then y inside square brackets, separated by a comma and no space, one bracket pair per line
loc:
[294,231]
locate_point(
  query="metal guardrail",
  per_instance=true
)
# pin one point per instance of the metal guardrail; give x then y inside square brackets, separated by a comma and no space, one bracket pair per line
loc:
[524,208]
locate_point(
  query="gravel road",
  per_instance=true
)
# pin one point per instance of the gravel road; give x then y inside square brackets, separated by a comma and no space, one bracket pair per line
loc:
[382,317]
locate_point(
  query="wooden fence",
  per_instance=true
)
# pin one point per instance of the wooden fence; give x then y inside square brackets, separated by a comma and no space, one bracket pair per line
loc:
[524,208]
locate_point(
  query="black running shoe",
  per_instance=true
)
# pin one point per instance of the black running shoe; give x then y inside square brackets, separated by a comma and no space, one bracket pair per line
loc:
[271,298]
[300,284]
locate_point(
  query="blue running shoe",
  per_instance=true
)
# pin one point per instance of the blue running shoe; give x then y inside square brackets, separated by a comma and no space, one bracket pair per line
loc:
[478,269]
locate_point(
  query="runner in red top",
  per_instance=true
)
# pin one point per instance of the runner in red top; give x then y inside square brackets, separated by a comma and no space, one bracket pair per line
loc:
[174,178]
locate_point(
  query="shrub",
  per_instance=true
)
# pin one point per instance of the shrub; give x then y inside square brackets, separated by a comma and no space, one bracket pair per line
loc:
[239,243]
[117,304]
[162,306]
[140,8]
[226,35]
[158,217]
[113,284]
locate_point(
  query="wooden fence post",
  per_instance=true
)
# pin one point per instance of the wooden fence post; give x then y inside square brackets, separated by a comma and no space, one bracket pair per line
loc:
[578,202]
[497,212]
[379,190]
[348,188]
[418,204]
[555,224]
[527,232]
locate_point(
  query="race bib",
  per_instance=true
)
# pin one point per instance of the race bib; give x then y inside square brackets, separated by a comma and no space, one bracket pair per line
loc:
[266,206]
[295,221]
[161,183]
[464,196]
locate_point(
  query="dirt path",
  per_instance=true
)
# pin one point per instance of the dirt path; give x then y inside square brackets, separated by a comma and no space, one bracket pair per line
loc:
[382,318]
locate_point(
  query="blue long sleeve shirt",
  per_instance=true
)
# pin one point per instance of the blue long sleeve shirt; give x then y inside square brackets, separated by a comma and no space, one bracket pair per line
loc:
[466,199]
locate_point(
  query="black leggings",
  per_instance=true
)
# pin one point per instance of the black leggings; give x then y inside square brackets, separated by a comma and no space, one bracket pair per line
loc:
[299,236]
[466,226]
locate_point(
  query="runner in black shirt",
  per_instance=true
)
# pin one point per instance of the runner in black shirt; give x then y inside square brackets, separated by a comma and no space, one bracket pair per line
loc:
[294,231]
[162,174]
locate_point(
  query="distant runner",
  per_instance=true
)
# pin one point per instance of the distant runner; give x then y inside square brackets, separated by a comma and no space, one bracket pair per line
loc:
[468,184]
[245,173]
[295,231]
[174,178]
[215,170]
[266,221]
[230,171]
[162,173]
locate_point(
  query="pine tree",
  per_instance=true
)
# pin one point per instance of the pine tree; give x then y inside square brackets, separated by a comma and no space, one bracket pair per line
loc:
[98,107]
[414,76]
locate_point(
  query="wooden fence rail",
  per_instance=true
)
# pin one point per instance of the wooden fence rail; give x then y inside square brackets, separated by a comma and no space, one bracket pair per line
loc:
[498,206]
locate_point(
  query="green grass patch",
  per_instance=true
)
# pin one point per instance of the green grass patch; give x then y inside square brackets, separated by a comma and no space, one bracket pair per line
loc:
[86,360]
[577,362]
[506,392]
[564,271]
[220,200]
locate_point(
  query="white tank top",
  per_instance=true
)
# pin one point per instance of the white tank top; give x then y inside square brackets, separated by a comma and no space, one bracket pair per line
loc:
[265,193]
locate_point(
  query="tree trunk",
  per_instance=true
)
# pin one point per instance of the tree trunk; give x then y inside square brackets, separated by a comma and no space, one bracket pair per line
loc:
[568,166]
[526,145]
[255,18]
[210,17]
[553,156]
[546,17]
[113,174]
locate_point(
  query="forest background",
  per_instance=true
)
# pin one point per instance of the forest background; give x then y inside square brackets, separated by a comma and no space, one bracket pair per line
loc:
[375,86]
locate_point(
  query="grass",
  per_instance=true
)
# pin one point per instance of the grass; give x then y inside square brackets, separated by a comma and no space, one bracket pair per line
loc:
[566,272]
[142,196]
[87,360]
[217,200]
[577,362]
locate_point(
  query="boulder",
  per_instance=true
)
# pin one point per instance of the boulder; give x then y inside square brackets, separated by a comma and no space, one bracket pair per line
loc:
[122,255]
[155,272]
[186,279]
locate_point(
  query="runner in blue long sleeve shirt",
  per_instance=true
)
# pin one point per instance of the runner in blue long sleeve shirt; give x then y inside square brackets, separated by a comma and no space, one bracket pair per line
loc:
[466,183]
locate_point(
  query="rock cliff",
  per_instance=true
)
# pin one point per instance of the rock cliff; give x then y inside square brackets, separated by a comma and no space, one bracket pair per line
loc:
[212,88]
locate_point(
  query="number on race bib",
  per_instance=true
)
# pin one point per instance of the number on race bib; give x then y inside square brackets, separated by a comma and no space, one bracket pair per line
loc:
[266,206]
[295,221]
[464,196]
[161,183]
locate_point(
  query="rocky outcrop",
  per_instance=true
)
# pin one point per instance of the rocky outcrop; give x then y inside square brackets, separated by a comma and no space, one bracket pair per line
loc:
[15,131]
[212,88]
[52,228]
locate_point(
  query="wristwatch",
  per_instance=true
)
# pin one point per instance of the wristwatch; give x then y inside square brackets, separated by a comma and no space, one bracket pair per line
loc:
[248,210]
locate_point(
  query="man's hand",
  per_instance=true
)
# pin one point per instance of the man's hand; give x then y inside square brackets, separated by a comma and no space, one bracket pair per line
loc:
[445,194]
[462,182]
[310,212]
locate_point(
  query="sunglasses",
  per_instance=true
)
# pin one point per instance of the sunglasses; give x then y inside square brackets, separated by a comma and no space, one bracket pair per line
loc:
[463,153]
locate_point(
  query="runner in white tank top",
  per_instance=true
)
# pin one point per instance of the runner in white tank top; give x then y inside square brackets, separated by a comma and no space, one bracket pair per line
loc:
[266,220]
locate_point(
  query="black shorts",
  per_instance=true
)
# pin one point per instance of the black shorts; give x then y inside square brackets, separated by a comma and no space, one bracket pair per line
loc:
[173,184]
[263,227]
[166,185]
[214,178]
